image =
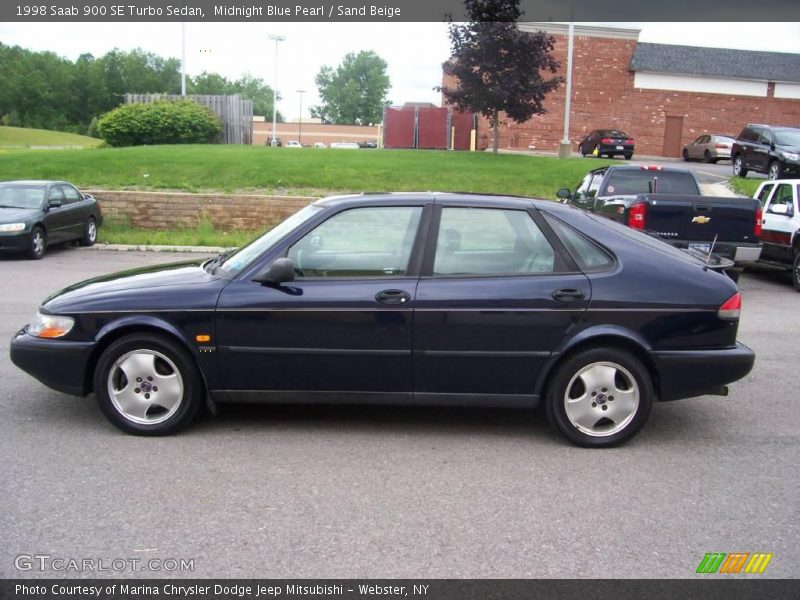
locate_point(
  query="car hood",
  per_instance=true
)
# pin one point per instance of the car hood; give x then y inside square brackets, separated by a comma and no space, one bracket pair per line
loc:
[147,288]
[785,148]
[17,215]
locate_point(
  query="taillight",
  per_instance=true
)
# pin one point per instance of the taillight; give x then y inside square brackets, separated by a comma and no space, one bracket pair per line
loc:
[650,168]
[757,226]
[629,141]
[637,215]
[606,141]
[718,145]
[732,307]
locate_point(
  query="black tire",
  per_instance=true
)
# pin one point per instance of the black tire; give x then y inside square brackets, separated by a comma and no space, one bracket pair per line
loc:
[628,372]
[628,156]
[775,170]
[707,157]
[738,166]
[164,351]
[89,232]
[796,271]
[38,244]
[685,155]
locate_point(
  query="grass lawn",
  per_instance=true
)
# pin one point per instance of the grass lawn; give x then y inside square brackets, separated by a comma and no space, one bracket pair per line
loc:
[16,137]
[307,171]
[745,185]
[119,232]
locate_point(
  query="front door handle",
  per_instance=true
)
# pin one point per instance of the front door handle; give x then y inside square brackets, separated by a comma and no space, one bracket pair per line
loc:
[392,297]
[568,295]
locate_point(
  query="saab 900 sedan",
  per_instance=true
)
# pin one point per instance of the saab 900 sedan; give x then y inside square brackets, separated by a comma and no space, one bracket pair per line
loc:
[435,299]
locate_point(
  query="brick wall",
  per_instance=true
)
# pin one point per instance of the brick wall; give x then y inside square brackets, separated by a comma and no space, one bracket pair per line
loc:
[603,96]
[174,210]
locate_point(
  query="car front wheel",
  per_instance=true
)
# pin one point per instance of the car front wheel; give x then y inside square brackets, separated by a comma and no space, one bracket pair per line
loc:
[600,397]
[147,384]
[738,166]
[775,171]
[38,244]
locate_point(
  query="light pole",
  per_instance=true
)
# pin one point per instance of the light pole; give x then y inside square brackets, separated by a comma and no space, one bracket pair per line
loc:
[183,58]
[300,122]
[276,38]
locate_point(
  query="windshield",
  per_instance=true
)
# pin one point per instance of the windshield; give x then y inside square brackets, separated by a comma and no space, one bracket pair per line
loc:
[632,182]
[21,196]
[247,254]
[787,137]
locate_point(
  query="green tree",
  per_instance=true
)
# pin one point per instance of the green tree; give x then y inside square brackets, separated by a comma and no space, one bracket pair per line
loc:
[355,92]
[498,68]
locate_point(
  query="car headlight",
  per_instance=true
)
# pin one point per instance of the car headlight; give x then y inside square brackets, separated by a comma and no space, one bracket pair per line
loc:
[11,227]
[791,155]
[50,326]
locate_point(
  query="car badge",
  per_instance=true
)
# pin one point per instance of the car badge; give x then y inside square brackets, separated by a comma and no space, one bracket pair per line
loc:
[701,219]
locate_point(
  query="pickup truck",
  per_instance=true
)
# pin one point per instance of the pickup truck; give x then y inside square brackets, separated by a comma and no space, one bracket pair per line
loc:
[667,204]
[780,224]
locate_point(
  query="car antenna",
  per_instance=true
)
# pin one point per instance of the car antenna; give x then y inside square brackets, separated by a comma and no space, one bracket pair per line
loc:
[710,250]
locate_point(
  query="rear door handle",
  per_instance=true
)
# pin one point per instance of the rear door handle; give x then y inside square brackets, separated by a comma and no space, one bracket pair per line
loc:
[569,295]
[393,297]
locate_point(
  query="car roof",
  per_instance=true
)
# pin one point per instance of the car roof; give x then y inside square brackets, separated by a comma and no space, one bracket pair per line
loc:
[444,198]
[772,126]
[42,182]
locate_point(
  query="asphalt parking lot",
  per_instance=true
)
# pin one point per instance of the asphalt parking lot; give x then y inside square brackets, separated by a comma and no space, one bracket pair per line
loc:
[400,492]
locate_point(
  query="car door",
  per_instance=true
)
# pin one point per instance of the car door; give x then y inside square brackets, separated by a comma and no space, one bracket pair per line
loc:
[761,151]
[496,297]
[777,224]
[76,212]
[56,219]
[341,331]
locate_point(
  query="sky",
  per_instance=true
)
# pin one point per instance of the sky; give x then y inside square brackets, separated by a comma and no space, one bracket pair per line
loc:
[413,51]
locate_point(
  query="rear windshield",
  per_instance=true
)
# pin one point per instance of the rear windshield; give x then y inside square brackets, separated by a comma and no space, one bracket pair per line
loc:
[630,182]
[21,196]
[614,133]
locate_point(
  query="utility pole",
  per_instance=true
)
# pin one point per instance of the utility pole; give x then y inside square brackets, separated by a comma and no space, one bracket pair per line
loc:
[565,148]
[300,123]
[183,58]
[276,39]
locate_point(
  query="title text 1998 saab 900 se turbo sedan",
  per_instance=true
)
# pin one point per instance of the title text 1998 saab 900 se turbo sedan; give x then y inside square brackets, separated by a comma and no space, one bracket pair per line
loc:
[438,299]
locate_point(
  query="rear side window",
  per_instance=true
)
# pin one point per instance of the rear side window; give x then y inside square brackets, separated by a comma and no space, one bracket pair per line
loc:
[748,134]
[489,241]
[630,182]
[764,193]
[589,256]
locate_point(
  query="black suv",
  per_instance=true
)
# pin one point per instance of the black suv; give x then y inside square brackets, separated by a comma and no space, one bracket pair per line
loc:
[769,149]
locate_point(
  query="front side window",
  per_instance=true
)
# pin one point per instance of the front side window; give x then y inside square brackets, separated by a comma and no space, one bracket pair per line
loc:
[360,242]
[489,241]
[784,197]
[764,193]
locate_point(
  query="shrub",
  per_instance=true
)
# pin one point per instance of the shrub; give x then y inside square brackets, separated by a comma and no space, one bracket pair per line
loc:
[92,130]
[162,122]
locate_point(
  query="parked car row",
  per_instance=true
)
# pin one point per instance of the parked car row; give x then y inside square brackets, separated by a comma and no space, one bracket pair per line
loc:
[298,144]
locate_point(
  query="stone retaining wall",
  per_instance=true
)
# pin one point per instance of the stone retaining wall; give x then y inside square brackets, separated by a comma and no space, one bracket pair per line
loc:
[179,210]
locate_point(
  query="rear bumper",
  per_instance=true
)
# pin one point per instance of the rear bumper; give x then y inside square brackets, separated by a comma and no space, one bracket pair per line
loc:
[684,374]
[742,253]
[615,149]
[58,364]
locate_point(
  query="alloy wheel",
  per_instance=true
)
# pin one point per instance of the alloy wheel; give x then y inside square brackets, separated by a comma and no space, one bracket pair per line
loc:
[145,387]
[601,399]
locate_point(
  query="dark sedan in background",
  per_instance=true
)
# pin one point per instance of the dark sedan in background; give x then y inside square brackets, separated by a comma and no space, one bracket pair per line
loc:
[435,299]
[37,214]
[607,142]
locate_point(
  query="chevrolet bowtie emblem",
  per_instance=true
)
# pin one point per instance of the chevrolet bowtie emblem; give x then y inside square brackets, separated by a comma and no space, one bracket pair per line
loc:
[700,219]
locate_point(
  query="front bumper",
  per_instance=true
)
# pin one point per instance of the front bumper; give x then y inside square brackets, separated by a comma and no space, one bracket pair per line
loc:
[59,364]
[687,373]
[15,242]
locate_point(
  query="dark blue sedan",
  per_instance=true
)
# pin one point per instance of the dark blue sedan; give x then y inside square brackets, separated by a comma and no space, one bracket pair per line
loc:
[437,299]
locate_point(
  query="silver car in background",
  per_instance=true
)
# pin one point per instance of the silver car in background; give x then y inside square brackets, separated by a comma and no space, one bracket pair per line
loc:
[709,147]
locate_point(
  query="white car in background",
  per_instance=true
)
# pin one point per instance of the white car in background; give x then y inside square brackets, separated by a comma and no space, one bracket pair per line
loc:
[293,144]
[345,145]
[320,145]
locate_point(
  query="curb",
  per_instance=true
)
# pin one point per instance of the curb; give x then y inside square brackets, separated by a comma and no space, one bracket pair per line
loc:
[157,248]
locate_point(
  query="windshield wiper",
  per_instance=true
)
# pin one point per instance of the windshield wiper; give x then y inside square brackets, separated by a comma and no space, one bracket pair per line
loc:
[217,262]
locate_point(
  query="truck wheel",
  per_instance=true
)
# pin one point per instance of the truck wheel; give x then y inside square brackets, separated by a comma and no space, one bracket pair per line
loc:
[796,272]
[775,170]
[738,166]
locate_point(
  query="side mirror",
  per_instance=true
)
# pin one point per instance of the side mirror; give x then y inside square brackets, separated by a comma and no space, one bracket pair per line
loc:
[779,209]
[54,204]
[280,271]
[88,197]
[564,194]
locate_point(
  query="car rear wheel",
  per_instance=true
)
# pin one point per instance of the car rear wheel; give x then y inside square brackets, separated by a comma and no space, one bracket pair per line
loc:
[628,156]
[775,170]
[600,397]
[89,232]
[707,157]
[147,384]
[38,244]
[796,271]
[738,166]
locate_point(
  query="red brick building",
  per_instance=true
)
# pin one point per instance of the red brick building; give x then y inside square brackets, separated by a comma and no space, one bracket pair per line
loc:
[663,96]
